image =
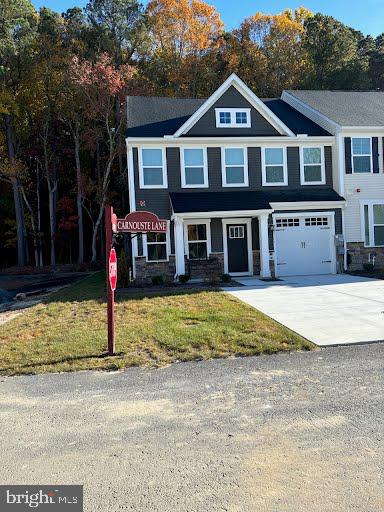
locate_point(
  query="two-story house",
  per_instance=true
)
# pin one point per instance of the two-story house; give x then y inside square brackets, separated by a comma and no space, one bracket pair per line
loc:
[356,119]
[245,182]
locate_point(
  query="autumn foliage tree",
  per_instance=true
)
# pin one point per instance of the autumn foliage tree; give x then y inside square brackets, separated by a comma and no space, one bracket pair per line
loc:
[103,88]
[182,33]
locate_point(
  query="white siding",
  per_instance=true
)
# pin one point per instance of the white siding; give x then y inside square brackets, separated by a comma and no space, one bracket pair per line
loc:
[371,187]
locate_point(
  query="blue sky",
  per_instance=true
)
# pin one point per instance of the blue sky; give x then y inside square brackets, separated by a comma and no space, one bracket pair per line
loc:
[367,16]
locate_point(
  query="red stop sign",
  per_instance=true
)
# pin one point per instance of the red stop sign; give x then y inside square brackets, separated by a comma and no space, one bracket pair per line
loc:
[112,269]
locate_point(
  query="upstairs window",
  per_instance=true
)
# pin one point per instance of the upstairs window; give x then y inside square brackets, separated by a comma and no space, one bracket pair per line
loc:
[361,148]
[312,166]
[234,167]
[152,168]
[225,117]
[274,169]
[233,117]
[194,169]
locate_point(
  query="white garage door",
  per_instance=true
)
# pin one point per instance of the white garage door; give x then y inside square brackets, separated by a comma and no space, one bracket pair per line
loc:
[304,245]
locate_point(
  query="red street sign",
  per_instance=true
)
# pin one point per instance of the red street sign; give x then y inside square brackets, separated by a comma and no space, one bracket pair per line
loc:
[112,269]
[141,222]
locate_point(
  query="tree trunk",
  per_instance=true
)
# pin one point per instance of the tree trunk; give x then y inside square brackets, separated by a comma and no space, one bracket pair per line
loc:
[52,223]
[79,197]
[20,223]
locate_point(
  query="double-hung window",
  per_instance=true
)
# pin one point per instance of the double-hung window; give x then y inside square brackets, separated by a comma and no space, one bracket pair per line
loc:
[156,247]
[374,223]
[152,168]
[361,149]
[274,169]
[197,240]
[234,167]
[233,117]
[312,166]
[194,169]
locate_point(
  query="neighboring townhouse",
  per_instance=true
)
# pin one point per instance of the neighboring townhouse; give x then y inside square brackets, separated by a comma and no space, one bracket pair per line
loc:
[247,185]
[356,119]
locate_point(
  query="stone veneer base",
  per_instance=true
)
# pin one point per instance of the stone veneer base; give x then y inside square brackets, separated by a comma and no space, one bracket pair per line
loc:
[358,255]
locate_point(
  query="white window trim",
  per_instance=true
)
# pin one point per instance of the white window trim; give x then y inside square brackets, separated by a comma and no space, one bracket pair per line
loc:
[193,222]
[283,183]
[302,166]
[182,166]
[167,245]
[233,123]
[370,204]
[371,155]
[224,167]
[141,172]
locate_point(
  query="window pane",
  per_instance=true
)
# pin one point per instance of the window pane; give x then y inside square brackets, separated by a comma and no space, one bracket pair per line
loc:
[366,223]
[378,213]
[361,164]
[361,146]
[274,156]
[225,118]
[235,174]
[312,173]
[152,157]
[157,252]
[194,176]
[241,118]
[312,155]
[156,237]
[379,235]
[234,156]
[197,232]
[193,157]
[198,250]
[275,174]
[153,176]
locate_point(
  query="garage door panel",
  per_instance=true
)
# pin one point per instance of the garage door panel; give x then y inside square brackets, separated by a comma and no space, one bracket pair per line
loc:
[304,248]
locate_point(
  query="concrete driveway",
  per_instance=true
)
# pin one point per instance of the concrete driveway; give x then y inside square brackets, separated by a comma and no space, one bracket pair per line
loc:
[299,432]
[328,310]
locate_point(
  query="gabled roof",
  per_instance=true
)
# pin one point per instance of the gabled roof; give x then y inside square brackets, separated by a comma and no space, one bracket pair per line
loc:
[234,81]
[159,116]
[345,108]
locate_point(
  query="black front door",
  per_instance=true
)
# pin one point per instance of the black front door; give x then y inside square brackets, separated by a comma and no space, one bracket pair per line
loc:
[237,244]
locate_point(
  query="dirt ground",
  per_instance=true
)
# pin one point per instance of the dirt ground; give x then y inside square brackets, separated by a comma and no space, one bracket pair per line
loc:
[285,433]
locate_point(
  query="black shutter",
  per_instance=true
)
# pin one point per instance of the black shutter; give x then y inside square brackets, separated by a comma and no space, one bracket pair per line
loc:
[348,158]
[375,154]
[382,156]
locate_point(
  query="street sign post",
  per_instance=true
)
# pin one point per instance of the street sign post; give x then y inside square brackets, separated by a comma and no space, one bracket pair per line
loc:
[112,269]
[111,278]
[135,223]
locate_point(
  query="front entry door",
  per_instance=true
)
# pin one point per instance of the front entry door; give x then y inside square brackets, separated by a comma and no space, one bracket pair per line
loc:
[237,244]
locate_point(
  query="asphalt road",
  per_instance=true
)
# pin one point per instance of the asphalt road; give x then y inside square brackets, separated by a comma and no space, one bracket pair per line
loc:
[298,432]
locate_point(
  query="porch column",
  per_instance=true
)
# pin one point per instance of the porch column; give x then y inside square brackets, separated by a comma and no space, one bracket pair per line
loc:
[264,246]
[179,246]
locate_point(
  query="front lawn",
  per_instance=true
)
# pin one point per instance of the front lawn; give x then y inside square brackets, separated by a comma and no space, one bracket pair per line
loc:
[68,332]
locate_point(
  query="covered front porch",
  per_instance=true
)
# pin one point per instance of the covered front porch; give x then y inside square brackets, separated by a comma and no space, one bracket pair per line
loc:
[235,241]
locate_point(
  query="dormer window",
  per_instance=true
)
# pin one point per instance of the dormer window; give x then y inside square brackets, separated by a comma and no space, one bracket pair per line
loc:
[233,117]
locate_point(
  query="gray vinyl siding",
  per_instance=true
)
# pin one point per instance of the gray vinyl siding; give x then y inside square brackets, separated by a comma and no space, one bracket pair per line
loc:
[216,235]
[157,200]
[206,126]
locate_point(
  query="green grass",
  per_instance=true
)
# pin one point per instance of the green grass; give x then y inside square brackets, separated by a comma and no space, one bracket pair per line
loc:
[68,332]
